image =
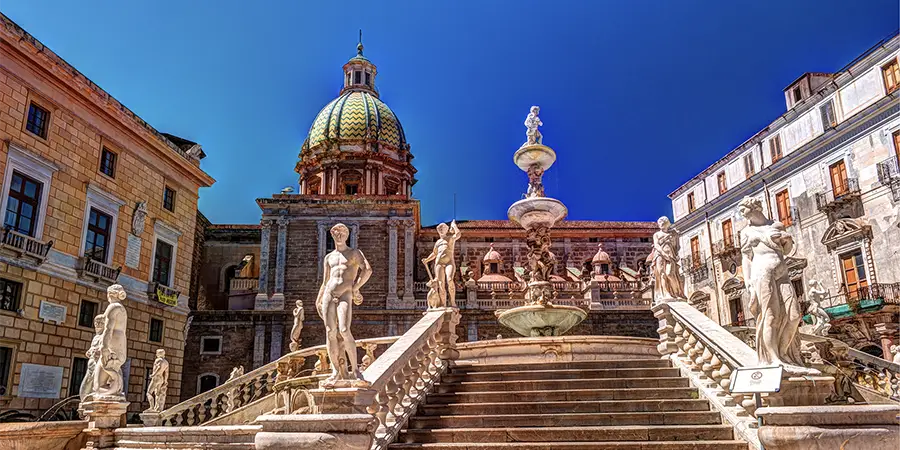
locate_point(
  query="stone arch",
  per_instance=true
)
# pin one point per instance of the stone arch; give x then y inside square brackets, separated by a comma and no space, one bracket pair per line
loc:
[351,182]
[226,273]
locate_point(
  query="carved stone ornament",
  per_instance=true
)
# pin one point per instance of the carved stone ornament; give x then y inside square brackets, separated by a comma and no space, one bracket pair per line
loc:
[733,288]
[139,218]
[795,267]
[844,231]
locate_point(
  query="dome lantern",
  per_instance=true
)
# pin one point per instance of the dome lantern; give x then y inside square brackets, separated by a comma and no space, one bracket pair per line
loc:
[359,72]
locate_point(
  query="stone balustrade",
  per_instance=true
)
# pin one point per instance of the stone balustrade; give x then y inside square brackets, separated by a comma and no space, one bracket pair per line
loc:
[88,268]
[621,304]
[24,245]
[244,284]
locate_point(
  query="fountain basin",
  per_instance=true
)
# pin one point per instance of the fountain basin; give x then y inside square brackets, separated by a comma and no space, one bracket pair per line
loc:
[537,211]
[541,320]
[531,154]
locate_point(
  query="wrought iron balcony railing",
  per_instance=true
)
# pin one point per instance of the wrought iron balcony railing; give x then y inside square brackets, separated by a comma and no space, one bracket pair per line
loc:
[89,269]
[838,195]
[889,175]
[726,248]
[23,245]
[696,267]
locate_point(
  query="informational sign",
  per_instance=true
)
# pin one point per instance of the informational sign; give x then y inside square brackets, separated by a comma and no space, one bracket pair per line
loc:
[52,311]
[37,381]
[133,252]
[754,380]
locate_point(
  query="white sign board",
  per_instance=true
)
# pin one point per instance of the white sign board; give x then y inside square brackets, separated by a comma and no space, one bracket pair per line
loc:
[753,380]
[133,252]
[37,381]
[52,311]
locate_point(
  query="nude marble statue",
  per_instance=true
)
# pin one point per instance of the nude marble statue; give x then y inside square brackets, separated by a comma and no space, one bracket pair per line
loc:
[442,279]
[159,382]
[108,380]
[821,319]
[299,316]
[532,122]
[236,372]
[764,246]
[345,270]
[93,355]
[666,274]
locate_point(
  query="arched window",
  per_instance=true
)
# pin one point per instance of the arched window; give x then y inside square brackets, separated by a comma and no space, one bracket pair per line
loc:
[206,382]
[391,186]
[312,185]
[351,182]
[495,268]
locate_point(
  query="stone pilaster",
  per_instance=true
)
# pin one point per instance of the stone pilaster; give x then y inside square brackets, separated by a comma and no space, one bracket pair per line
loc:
[262,292]
[409,298]
[321,229]
[259,346]
[277,300]
[275,345]
[392,264]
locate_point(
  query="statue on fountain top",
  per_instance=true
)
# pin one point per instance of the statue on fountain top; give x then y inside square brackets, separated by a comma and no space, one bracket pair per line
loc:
[532,122]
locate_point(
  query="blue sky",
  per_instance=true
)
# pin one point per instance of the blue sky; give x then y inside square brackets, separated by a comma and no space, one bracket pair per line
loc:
[637,96]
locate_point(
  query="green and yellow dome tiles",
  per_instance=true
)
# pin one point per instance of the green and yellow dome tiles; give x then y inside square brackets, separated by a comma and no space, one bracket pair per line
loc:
[357,116]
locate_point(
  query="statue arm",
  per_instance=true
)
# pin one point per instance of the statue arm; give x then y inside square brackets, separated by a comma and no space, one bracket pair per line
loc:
[364,273]
[454,229]
[431,256]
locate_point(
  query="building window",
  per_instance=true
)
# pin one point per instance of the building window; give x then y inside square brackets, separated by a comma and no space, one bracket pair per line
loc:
[313,185]
[86,313]
[695,250]
[357,77]
[108,163]
[604,269]
[891,73]
[23,204]
[839,183]
[737,312]
[727,234]
[749,168]
[38,120]
[691,204]
[169,199]
[854,270]
[10,292]
[96,240]
[723,183]
[6,364]
[775,149]
[351,189]
[162,262]
[495,268]
[210,345]
[594,239]
[79,370]
[897,144]
[368,79]
[798,94]
[207,382]
[783,203]
[156,330]
[827,112]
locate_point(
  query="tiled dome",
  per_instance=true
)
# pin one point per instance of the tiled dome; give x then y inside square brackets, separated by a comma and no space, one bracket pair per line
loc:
[601,257]
[356,116]
[492,256]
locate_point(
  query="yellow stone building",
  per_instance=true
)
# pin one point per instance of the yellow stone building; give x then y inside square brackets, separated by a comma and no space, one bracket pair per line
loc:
[91,195]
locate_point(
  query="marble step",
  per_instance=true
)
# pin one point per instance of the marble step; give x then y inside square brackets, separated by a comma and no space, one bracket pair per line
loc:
[610,364]
[539,385]
[562,374]
[562,395]
[565,407]
[570,434]
[568,420]
[626,445]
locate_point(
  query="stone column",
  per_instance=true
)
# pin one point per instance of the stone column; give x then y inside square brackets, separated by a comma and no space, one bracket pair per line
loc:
[277,300]
[409,298]
[259,346]
[275,345]
[321,229]
[263,289]
[392,264]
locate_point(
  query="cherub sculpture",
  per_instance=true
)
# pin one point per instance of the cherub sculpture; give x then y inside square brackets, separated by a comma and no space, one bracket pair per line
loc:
[532,122]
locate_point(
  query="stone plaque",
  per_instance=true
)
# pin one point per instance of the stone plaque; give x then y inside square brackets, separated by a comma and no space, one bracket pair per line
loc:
[133,252]
[52,311]
[39,381]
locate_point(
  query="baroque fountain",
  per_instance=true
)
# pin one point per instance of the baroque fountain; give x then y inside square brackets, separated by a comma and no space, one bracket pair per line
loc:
[537,214]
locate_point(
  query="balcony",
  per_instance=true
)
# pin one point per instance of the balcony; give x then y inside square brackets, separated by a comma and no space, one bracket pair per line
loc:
[22,245]
[163,294]
[838,197]
[725,250]
[696,268]
[96,271]
[864,299]
[244,284]
[889,175]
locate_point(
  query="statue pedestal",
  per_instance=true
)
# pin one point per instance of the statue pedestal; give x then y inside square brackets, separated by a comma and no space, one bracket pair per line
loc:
[103,417]
[150,418]
[265,303]
[315,431]
[869,427]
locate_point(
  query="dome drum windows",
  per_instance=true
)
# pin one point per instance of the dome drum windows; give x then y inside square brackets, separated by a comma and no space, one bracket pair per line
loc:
[351,182]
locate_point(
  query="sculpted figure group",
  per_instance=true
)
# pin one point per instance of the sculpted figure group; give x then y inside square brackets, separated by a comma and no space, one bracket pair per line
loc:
[107,354]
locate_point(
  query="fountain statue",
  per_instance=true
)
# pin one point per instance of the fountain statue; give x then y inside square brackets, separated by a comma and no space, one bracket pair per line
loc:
[537,214]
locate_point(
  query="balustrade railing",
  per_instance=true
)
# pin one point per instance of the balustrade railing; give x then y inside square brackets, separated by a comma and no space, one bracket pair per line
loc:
[837,195]
[726,248]
[623,304]
[24,245]
[250,387]
[244,284]
[97,271]
[886,292]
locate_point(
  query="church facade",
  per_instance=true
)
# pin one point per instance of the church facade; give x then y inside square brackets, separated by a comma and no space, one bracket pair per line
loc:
[355,167]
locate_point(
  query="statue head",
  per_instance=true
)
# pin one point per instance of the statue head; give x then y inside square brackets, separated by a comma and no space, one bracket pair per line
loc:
[442,229]
[535,110]
[99,322]
[749,205]
[340,233]
[299,304]
[663,223]
[115,293]
[161,353]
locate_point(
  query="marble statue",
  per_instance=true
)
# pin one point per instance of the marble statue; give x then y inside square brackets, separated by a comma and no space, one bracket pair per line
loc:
[187,326]
[159,382]
[237,371]
[93,355]
[895,351]
[532,122]
[346,270]
[535,181]
[541,263]
[195,152]
[108,381]
[299,316]
[821,319]
[665,271]
[138,218]
[442,280]
[764,246]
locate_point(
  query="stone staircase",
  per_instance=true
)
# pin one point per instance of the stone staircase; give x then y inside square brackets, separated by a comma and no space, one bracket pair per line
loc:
[616,404]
